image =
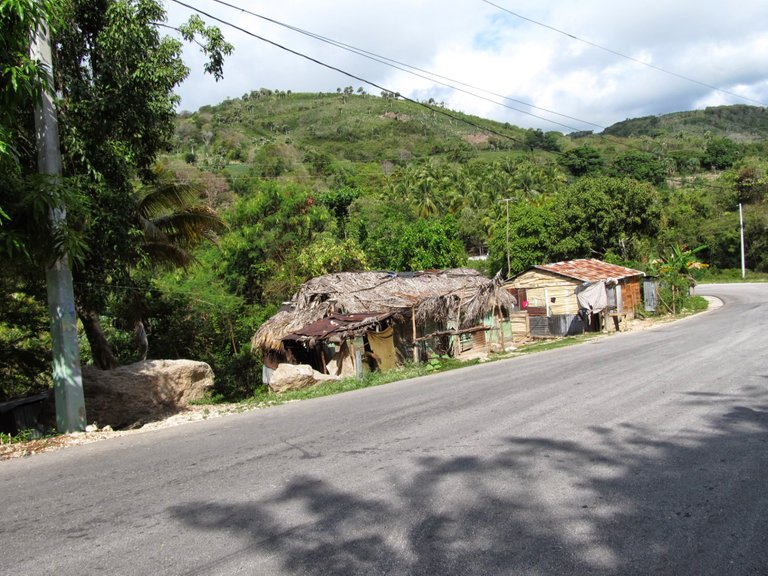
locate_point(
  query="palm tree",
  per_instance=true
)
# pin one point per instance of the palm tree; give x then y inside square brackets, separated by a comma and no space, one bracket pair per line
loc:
[173,222]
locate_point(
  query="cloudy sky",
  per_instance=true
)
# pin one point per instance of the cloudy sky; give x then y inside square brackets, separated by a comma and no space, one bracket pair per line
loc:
[514,61]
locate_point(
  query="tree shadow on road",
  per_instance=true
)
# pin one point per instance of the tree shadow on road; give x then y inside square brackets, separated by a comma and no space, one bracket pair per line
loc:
[629,501]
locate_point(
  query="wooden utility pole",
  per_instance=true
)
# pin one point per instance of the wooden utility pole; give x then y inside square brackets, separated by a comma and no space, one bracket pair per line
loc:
[67,377]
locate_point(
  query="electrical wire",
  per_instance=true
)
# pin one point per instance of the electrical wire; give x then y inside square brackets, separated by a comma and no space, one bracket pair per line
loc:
[385,90]
[349,74]
[431,76]
[616,53]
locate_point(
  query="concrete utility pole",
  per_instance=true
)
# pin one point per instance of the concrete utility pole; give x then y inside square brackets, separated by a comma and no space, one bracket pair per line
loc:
[507,201]
[741,226]
[67,378]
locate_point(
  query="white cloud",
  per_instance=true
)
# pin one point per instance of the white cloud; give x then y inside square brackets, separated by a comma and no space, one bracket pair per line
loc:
[478,44]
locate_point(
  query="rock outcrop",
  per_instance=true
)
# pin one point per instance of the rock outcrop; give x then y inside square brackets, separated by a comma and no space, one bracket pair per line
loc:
[133,395]
[295,377]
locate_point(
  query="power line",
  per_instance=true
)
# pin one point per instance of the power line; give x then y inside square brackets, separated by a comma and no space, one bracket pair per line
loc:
[432,75]
[396,64]
[385,90]
[349,74]
[616,53]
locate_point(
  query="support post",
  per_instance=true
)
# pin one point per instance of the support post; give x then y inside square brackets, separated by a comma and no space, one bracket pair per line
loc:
[67,377]
[507,201]
[741,226]
[413,328]
[358,346]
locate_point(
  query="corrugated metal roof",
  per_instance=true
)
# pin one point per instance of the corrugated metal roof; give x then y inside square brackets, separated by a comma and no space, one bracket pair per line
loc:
[336,323]
[590,270]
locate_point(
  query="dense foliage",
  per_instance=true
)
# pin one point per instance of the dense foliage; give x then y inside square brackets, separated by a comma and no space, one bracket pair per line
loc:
[308,184]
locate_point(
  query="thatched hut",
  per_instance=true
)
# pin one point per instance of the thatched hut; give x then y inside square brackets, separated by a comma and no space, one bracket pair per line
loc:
[380,316]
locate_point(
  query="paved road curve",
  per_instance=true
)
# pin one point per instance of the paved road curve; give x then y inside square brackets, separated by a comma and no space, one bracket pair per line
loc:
[642,453]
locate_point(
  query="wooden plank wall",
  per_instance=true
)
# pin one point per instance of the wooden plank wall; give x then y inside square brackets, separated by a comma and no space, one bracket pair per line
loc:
[630,295]
[542,287]
[519,323]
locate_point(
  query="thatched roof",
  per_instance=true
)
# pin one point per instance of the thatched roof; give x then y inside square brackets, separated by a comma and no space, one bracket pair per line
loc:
[461,294]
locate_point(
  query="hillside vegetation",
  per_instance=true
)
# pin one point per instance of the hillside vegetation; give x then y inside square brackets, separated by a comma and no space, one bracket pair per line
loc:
[739,123]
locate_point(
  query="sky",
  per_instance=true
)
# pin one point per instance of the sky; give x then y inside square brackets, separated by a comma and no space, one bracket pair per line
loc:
[551,64]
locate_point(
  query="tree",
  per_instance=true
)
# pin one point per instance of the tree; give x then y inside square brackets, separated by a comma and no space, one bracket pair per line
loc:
[417,245]
[115,75]
[21,77]
[582,161]
[173,221]
[641,166]
[607,214]
[270,228]
[533,233]
[720,153]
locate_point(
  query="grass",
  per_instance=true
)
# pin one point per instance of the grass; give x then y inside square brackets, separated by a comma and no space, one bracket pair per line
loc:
[695,304]
[265,397]
[729,276]
[543,345]
[21,437]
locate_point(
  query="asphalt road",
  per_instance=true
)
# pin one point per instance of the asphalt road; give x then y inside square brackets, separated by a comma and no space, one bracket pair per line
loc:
[640,453]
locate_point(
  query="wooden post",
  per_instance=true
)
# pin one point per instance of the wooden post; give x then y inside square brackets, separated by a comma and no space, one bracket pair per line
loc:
[500,325]
[358,346]
[413,326]
[322,359]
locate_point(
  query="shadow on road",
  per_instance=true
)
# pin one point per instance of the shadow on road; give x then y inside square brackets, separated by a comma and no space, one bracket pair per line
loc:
[625,503]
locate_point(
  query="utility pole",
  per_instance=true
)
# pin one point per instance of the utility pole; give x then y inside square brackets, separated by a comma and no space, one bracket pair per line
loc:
[741,226]
[507,201]
[67,377]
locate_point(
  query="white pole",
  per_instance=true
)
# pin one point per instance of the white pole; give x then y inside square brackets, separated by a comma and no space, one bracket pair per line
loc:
[741,224]
[67,378]
[507,201]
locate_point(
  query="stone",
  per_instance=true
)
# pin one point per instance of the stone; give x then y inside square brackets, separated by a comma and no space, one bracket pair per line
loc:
[295,377]
[132,395]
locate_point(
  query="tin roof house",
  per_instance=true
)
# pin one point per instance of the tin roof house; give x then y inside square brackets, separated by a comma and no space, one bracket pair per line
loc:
[575,296]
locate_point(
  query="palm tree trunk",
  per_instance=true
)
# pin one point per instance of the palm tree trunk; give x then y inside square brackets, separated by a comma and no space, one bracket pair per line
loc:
[101,351]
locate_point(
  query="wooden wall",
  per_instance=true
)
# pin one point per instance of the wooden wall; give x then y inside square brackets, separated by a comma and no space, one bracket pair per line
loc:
[541,288]
[630,295]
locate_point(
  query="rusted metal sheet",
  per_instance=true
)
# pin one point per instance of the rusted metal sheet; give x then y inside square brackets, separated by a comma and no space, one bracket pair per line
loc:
[336,324]
[590,270]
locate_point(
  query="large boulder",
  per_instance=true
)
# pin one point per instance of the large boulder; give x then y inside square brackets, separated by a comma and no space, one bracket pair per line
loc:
[295,377]
[132,395]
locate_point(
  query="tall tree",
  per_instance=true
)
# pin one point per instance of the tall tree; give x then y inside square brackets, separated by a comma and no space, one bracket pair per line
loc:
[115,75]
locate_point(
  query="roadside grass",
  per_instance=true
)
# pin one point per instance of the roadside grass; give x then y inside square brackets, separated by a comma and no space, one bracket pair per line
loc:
[728,276]
[265,397]
[22,437]
[695,304]
[554,344]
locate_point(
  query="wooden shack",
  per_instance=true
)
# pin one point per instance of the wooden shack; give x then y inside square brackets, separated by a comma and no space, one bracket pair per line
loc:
[549,293]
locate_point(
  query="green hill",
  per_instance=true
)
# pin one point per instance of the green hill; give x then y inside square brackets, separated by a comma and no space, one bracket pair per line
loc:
[740,123]
[353,127]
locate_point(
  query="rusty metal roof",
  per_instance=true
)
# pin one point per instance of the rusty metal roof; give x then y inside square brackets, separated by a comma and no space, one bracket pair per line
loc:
[337,323]
[590,270]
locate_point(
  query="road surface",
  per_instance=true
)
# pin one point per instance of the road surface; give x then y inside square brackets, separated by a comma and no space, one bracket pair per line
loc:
[640,453]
